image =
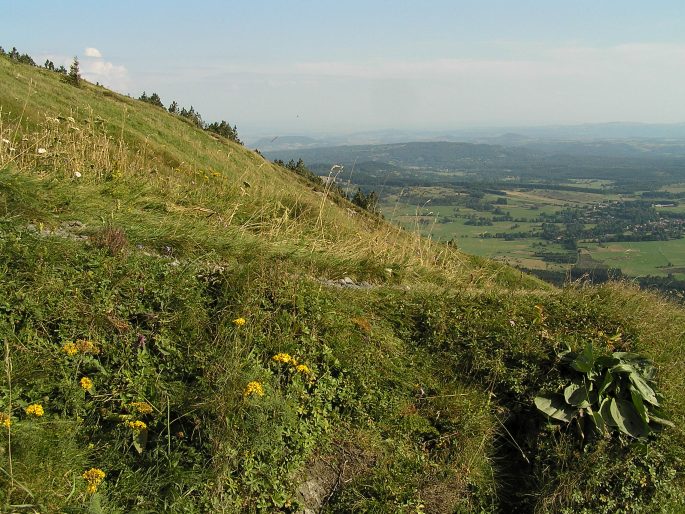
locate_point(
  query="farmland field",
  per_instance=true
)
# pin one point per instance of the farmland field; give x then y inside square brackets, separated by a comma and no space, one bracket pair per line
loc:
[517,240]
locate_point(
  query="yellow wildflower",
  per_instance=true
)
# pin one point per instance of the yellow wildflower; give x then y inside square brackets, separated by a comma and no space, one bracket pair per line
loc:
[86,383]
[5,420]
[254,388]
[239,322]
[94,477]
[70,349]
[86,346]
[285,358]
[304,369]
[141,407]
[136,426]
[35,409]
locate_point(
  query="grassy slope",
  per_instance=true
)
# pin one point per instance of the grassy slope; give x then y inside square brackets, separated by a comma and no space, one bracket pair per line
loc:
[420,390]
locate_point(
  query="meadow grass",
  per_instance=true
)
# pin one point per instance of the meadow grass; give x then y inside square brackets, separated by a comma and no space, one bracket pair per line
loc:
[162,301]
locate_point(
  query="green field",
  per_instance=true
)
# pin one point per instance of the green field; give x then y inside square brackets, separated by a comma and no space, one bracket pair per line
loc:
[642,258]
[448,223]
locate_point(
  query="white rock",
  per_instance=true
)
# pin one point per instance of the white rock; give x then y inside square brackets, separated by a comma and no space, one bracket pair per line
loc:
[77,174]
[41,151]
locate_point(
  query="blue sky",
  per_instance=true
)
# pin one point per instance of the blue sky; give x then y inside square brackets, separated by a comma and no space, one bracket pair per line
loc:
[323,66]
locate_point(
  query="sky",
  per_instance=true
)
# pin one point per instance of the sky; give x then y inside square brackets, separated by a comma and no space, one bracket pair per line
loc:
[319,66]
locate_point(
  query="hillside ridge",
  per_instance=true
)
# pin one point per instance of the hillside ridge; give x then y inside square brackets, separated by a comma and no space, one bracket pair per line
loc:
[177,338]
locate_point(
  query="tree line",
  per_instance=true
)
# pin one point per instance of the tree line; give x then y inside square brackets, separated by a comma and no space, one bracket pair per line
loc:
[366,201]
[222,128]
[73,77]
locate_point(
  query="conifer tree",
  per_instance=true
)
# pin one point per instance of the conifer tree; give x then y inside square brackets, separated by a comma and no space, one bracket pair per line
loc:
[26,59]
[74,77]
[173,108]
[156,100]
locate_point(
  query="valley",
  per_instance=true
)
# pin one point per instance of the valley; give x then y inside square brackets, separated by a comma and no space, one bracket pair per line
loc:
[587,209]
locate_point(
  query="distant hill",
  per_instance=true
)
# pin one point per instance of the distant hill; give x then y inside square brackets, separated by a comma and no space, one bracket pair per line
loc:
[268,144]
[639,162]
[414,154]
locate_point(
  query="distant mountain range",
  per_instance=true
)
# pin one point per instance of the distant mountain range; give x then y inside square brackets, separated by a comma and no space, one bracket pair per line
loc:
[668,134]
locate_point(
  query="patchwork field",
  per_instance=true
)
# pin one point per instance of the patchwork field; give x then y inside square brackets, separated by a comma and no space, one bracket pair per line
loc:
[512,230]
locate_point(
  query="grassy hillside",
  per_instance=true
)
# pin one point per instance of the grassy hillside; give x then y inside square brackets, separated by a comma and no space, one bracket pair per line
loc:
[171,322]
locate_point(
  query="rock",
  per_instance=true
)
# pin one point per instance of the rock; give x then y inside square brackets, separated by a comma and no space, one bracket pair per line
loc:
[318,484]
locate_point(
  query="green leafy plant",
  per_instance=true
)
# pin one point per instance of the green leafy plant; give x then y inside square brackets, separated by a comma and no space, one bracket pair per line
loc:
[613,391]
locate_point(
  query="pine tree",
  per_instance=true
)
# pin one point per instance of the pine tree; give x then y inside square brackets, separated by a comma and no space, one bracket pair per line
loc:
[173,108]
[74,77]
[156,100]
[26,59]
[224,129]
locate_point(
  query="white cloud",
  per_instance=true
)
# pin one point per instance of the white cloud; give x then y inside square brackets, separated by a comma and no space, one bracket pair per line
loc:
[93,52]
[114,76]
[96,69]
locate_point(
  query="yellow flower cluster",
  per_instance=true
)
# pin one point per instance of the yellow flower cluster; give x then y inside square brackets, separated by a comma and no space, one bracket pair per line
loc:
[94,477]
[5,420]
[81,345]
[239,322]
[285,358]
[70,349]
[253,388]
[35,409]
[304,369]
[136,426]
[141,407]
[86,383]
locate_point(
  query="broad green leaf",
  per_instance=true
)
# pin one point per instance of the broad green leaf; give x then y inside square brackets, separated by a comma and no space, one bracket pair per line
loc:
[606,383]
[555,407]
[585,361]
[597,419]
[643,365]
[639,404]
[606,361]
[577,394]
[644,389]
[623,368]
[661,421]
[626,356]
[139,440]
[627,419]
[605,412]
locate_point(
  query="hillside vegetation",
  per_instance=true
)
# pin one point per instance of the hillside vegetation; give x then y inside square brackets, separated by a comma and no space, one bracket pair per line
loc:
[176,338]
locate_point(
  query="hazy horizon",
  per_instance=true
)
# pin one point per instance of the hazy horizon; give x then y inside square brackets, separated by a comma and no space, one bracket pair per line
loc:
[310,67]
